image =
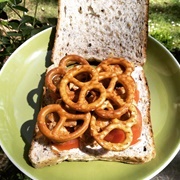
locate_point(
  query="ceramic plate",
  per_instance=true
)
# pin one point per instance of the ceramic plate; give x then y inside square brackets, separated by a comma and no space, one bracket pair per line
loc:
[21,80]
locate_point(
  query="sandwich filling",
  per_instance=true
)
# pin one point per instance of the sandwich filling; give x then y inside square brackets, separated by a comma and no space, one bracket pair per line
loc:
[90,106]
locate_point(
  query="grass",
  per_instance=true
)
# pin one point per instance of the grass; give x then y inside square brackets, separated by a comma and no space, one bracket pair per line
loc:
[46,12]
[164,25]
[47,9]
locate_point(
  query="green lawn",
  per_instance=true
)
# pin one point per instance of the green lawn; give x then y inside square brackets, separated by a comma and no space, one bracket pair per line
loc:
[47,9]
[164,24]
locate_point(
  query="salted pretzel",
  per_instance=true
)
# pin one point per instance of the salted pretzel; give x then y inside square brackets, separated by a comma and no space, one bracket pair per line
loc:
[54,76]
[90,84]
[72,59]
[102,96]
[119,101]
[116,65]
[64,126]
[99,132]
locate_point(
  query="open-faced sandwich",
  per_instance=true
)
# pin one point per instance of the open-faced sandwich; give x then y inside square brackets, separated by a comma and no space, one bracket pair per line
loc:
[96,100]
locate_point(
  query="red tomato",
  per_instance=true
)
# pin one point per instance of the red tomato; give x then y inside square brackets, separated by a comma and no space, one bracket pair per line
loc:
[136,98]
[137,128]
[115,136]
[118,135]
[74,143]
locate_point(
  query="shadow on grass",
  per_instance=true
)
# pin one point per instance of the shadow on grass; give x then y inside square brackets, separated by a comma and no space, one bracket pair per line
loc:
[176,54]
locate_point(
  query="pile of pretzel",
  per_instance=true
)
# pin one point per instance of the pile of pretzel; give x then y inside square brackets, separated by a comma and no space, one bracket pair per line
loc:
[79,96]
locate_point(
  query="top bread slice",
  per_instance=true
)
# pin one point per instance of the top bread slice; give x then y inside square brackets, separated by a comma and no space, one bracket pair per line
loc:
[98,29]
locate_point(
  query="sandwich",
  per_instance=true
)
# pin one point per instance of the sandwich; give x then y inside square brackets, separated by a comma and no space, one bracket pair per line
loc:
[96,100]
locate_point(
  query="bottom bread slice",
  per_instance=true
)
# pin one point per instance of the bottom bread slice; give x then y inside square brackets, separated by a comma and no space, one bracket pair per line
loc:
[41,153]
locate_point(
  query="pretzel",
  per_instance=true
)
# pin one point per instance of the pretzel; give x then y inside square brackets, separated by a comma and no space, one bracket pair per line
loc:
[100,132]
[105,92]
[85,87]
[116,65]
[71,59]
[56,128]
[53,77]
[119,102]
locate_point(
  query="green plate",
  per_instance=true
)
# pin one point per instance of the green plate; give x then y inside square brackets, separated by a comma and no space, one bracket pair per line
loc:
[21,81]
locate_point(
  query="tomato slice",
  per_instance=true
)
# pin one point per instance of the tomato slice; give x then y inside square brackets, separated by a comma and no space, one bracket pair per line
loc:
[118,135]
[137,128]
[74,143]
[136,98]
[115,136]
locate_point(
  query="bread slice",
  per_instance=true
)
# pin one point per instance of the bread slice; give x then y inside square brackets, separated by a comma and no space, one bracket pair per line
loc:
[97,30]
[41,153]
